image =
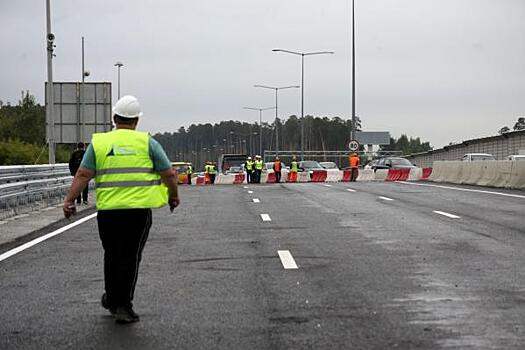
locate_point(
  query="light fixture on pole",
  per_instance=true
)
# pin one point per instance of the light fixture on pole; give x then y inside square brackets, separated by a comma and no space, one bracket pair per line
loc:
[118,65]
[260,124]
[302,54]
[276,107]
[352,135]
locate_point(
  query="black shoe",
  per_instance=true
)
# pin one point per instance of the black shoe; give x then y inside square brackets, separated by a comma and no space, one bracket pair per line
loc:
[105,305]
[125,315]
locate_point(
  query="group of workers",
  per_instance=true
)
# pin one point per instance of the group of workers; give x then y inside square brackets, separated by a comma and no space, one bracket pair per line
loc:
[255,167]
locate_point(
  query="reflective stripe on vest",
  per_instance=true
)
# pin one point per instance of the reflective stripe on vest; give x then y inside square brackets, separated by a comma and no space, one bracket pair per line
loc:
[125,177]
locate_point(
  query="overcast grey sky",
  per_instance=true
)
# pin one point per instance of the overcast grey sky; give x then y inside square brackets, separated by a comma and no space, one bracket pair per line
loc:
[444,70]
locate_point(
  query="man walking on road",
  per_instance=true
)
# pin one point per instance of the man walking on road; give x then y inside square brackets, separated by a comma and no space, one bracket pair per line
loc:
[74,164]
[132,175]
[294,168]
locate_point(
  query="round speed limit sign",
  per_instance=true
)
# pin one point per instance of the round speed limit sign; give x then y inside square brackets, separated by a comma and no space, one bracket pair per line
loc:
[353,145]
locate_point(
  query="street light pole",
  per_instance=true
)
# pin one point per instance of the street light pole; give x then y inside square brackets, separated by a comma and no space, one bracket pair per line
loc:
[352,136]
[302,54]
[50,37]
[260,124]
[118,65]
[276,107]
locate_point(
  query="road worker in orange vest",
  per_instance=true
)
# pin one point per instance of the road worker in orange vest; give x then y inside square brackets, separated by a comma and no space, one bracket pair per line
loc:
[277,169]
[354,165]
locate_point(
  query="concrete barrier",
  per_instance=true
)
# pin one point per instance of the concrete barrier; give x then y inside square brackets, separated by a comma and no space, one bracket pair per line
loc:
[415,174]
[426,173]
[346,175]
[333,175]
[303,176]
[365,175]
[517,174]
[380,174]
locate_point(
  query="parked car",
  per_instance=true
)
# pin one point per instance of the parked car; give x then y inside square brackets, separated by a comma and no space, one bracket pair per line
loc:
[516,157]
[473,157]
[329,165]
[392,163]
[234,169]
[182,171]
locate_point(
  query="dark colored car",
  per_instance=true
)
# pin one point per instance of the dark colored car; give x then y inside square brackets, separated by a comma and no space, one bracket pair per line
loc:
[309,165]
[392,163]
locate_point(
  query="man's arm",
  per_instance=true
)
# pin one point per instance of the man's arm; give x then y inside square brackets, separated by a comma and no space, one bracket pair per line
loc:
[169,178]
[80,181]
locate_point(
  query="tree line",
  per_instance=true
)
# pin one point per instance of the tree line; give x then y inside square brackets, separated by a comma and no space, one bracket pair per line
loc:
[23,137]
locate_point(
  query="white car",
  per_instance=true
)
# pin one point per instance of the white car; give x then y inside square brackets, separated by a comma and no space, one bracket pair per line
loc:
[473,157]
[516,157]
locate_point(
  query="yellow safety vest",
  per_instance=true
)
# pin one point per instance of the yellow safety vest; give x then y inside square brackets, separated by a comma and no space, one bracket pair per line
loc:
[294,168]
[125,178]
[249,165]
[258,164]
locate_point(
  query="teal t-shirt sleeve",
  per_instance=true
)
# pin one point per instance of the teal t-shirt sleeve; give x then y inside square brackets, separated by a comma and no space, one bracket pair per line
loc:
[88,161]
[158,156]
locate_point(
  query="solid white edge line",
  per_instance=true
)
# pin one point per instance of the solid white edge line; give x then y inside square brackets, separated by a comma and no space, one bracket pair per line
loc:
[35,241]
[266,217]
[350,190]
[287,259]
[462,189]
[385,198]
[256,200]
[452,216]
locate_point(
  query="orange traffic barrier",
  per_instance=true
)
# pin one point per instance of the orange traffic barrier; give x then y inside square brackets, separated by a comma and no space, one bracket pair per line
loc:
[347,176]
[426,173]
[270,179]
[292,176]
[239,179]
[318,176]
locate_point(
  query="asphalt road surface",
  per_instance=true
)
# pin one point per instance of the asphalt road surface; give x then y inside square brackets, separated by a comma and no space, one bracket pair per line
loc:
[331,266]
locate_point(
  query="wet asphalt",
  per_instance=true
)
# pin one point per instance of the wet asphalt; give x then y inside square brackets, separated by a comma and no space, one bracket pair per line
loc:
[378,268]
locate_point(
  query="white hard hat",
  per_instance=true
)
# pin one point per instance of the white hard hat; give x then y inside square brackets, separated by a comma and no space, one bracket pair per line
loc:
[257,156]
[127,107]
[250,158]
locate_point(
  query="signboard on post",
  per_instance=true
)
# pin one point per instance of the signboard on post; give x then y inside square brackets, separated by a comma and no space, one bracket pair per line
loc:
[373,137]
[80,110]
[353,145]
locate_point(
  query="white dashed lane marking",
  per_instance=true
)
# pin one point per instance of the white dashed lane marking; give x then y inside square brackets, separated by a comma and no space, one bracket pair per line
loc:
[328,185]
[256,200]
[250,192]
[287,259]
[245,187]
[266,217]
[385,198]
[350,190]
[448,215]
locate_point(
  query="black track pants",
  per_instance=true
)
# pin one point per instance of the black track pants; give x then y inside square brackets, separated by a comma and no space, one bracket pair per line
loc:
[123,233]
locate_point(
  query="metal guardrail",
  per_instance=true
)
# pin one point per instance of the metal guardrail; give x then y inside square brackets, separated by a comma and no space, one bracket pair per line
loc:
[25,188]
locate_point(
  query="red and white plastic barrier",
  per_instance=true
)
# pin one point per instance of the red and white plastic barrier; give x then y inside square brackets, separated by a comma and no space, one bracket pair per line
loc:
[404,174]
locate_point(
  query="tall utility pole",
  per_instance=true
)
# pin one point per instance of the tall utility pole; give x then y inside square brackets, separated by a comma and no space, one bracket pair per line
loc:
[50,37]
[118,65]
[260,124]
[82,98]
[302,54]
[276,113]
[352,136]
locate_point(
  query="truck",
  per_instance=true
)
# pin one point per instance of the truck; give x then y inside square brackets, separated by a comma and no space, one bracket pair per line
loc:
[232,163]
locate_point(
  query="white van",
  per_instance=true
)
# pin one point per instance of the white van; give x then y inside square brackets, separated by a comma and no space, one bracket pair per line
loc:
[473,157]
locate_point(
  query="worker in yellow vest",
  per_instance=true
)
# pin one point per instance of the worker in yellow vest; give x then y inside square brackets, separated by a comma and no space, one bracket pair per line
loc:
[294,168]
[132,175]
[248,166]
[259,164]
